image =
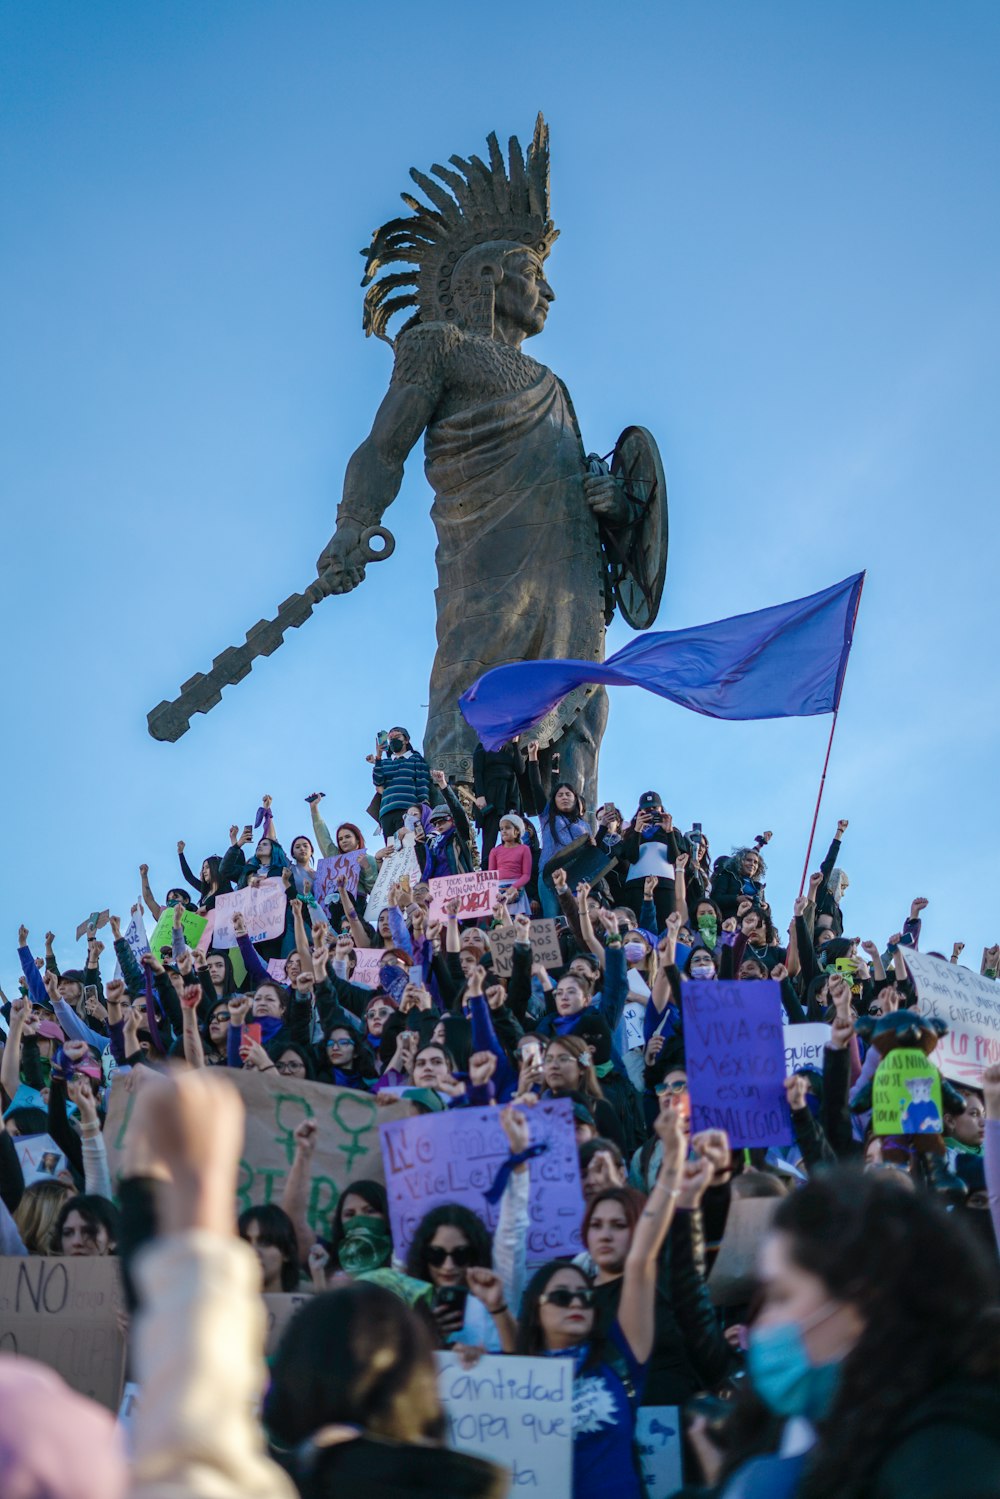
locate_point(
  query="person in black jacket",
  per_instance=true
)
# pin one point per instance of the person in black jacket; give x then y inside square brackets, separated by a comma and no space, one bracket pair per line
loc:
[497,776]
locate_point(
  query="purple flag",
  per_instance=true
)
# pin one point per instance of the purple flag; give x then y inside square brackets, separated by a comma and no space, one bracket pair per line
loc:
[783,662]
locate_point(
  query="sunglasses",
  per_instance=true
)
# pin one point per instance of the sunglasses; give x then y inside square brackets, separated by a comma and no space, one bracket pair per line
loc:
[671,1087]
[565,1296]
[380,1012]
[459,1257]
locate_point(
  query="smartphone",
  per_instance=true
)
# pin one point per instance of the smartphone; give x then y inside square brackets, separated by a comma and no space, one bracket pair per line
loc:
[247,830]
[531,1056]
[382,739]
[417,975]
[253,1031]
[315,797]
[847,966]
[89,993]
[450,1298]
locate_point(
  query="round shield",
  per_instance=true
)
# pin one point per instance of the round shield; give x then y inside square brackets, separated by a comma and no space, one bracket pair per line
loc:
[637,553]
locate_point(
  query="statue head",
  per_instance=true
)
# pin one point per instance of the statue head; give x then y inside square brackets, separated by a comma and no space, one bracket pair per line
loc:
[476,256]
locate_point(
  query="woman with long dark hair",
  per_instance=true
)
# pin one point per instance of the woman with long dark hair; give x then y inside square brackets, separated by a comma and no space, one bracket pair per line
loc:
[563,819]
[879,1323]
[271,1235]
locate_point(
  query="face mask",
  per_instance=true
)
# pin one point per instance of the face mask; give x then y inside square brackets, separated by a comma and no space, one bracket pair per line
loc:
[366,1245]
[702,973]
[397,746]
[634,952]
[782,1374]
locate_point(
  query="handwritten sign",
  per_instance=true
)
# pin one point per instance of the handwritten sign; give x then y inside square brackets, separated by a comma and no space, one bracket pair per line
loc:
[281,1307]
[391,871]
[337,866]
[735,1051]
[262,908]
[659,1445]
[804,1045]
[544,946]
[477,893]
[40,1157]
[347,1145]
[733,1275]
[971,1006]
[369,960]
[135,934]
[64,1312]
[276,970]
[455,1156]
[192,925]
[515,1411]
[906,1095]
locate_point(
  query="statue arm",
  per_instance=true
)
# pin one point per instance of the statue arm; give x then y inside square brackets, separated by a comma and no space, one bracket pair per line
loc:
[372,482]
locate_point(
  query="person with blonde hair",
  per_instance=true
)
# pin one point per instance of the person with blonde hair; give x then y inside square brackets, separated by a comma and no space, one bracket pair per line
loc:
[38,1212]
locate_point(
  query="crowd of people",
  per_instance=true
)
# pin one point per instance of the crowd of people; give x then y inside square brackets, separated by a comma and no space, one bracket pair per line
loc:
[864,1356]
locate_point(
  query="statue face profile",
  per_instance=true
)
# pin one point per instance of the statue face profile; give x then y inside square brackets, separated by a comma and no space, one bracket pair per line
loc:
[523,295]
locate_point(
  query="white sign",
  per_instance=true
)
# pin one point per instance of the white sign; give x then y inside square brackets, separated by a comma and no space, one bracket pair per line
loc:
[971,1006]
[658,1440]
[262,907]
[276,969]
[391,872]
[654,858]
[477,893]
[366,970]
[804,1045]
[515,1411]
[40,1157]
[634,1016]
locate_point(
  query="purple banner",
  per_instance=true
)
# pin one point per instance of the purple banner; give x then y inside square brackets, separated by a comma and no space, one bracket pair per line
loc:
[454,1157]
[735,1050]
[330,870]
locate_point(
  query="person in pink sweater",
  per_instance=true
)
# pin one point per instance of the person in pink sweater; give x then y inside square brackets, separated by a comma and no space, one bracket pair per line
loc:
[512,861]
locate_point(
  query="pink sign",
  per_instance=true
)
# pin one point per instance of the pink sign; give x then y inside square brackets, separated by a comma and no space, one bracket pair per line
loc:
[476,893]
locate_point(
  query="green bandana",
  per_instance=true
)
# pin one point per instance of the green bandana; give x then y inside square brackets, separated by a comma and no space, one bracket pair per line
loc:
[366,1245]
[709,929]
[603,1068]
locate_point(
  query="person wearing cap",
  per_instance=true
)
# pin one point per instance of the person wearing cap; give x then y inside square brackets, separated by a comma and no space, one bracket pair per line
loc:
[402,779]
[512,861]
[649,848]
[447,848]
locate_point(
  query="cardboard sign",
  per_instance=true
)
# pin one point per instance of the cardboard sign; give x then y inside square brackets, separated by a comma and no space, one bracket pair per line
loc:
[192,925]
[64,1312]
[367,967]
[347,1146]
[747,1222]
[735,1052]
[262,908]
[659,1443]
[971,1006]
[330,870]
[477,894]
[40,1157]
[515,1411]
[906,1098]
[544,946]
[804,1045]
[281,1307]
[455,1156]
[391,871]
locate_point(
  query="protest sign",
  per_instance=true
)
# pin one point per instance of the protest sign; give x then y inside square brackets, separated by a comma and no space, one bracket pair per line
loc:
[544,945]
[40,1157]
[804,1045]
[281,1307]
[971,1006]
[735,1051]
[455,1156]
[276,970]
[330,870]
[658,1442]
[477,893]
[192,925]
[96,919]
[367,967]
[516,1411]
[906,1095]
[634,1019]
[748,1220]
[135,934]
[347,1143]
[262,908]
[64,1312]
[391,871]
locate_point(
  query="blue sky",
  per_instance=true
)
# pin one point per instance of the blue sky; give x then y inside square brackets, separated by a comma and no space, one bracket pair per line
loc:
[780,233]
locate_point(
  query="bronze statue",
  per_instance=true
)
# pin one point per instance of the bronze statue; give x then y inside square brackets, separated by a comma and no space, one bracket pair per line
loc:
[537,542]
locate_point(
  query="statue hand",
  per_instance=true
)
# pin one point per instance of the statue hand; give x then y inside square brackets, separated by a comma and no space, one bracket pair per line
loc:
[339,565]
[606,497]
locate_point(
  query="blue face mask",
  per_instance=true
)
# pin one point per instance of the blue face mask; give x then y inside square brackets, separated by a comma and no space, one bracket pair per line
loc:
[782,1374]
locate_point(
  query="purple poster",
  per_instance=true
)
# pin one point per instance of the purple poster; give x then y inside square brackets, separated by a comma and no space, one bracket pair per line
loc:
[455,1156]
[735,1049]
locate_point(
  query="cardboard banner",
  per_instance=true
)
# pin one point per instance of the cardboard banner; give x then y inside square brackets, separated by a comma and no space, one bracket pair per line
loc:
[337,866]
[347,1145]
[262,908]
[367,967]
[735,1052]
[455,1156]
[733,1275]
[192,925]
[517,1412]
[40,1157]
[281,1307]
[544,946]
[659,1444]
[804,1045]
[64,1313]
[477,894]
[391,871]
[906,1096]
[971,1006]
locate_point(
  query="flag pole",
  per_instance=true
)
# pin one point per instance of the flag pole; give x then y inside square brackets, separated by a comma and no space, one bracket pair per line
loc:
[829,744]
